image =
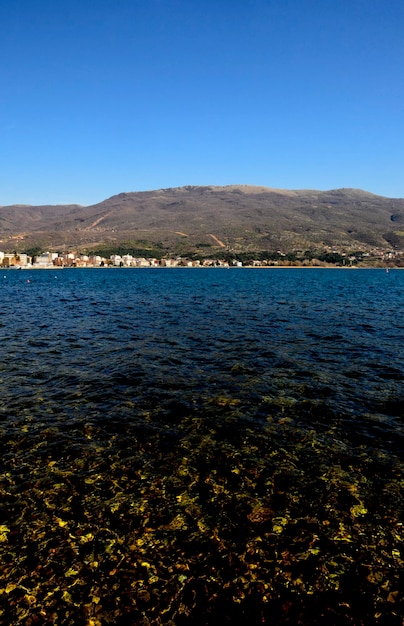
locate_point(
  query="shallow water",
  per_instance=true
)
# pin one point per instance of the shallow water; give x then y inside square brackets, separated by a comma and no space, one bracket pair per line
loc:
[199,446]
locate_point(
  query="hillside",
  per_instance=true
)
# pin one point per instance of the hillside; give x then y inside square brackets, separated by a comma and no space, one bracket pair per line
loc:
[189,219]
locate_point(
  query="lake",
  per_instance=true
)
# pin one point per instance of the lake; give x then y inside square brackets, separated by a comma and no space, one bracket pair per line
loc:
[201,446]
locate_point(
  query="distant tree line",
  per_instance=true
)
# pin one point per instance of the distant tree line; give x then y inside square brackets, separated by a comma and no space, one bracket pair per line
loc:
[203,251]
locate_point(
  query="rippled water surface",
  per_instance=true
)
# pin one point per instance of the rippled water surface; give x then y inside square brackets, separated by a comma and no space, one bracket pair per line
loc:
[191,446]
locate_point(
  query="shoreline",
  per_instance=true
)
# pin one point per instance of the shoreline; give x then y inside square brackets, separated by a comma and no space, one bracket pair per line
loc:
[183,267]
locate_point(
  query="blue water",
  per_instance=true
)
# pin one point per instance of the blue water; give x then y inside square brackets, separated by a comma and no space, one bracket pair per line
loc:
[334,335]
[115,376]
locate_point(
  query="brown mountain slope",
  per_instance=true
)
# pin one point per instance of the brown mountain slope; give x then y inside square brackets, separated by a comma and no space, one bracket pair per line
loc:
[185,219]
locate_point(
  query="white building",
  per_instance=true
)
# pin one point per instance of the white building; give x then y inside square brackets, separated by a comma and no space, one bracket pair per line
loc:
[45,259]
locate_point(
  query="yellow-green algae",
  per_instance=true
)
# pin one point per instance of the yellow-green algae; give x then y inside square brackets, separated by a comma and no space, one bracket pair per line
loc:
[213,519]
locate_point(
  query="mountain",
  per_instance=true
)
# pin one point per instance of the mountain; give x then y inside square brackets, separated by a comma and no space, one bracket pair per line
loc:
[191,219]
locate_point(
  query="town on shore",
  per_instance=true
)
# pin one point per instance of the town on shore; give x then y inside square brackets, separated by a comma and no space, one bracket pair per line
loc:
[328,258]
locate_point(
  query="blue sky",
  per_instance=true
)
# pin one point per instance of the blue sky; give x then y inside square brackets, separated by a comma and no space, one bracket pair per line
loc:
[98,97]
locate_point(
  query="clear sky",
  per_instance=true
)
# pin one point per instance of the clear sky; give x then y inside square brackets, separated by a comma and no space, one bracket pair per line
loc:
[98,97]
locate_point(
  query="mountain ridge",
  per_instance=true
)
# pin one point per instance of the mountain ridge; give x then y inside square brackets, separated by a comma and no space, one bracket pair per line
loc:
[241,217]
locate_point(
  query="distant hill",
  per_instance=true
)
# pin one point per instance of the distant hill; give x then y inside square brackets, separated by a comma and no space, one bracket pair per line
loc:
[192,219]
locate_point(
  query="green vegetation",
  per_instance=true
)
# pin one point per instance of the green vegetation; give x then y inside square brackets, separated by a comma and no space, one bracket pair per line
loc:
[33,250]
[135,248]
